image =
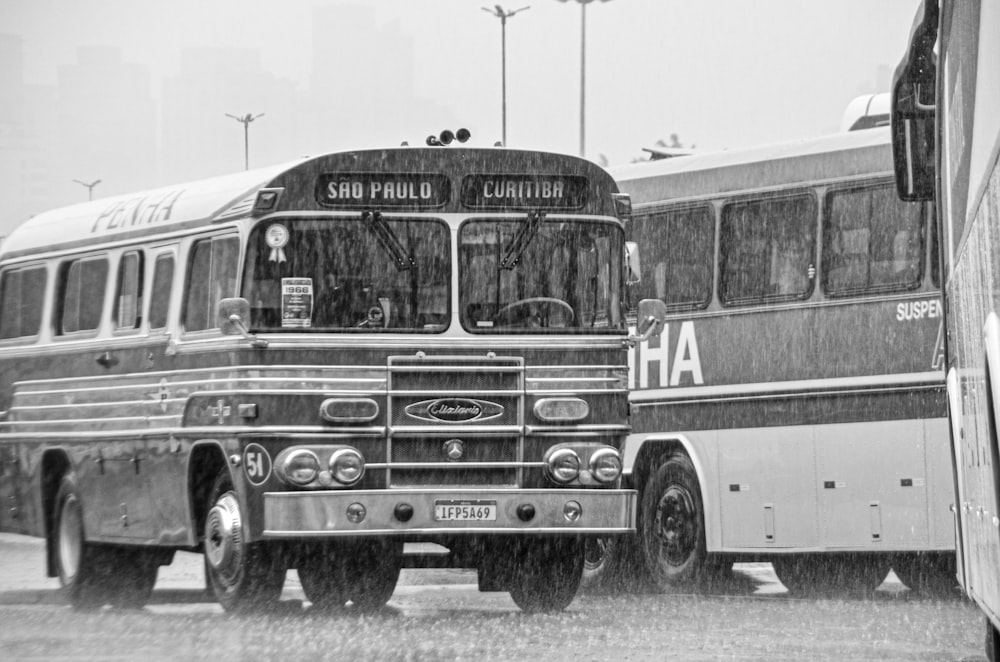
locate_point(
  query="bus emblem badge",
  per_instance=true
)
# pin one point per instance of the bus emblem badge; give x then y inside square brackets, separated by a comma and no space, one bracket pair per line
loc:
[454,449]
[454,410]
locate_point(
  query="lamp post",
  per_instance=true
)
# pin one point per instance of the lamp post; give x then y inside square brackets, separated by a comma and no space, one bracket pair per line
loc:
[503,15]
[90,187]
[583,67]
[245,121]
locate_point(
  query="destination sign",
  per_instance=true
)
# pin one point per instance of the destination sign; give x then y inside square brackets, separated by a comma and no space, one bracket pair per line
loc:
[524,191]
[382,189]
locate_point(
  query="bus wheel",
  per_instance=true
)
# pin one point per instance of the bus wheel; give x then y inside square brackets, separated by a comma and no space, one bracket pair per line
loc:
[673,525]
[546,574]
[371,570]
[831,574]
[929,573]
[596,559]
[85,570]
[322,577]
[243,576]
[134,579]
[992,642]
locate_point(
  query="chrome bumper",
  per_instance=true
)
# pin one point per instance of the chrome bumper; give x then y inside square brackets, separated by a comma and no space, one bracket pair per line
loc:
[324,514]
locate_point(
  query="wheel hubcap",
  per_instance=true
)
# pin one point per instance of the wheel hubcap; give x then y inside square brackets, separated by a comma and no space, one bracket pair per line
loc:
[224,537]
[675,525]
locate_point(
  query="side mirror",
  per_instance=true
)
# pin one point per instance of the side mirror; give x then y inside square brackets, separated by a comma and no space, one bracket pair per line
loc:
[652,314]
[914,130]
[232,315]
[632,262]
[913,140]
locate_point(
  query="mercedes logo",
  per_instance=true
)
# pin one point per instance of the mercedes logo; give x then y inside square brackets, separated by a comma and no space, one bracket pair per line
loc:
[454,449]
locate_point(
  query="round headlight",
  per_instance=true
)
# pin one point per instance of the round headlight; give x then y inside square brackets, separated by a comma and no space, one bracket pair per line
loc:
[564,465]
[347,466]
[300,467]
[605,465]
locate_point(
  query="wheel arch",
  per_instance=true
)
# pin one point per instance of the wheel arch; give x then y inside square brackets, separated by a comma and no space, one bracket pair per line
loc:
[207,459]
[55,465]
[645,452]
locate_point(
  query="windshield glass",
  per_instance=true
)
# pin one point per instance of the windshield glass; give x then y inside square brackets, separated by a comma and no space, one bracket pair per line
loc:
[365,273]
[540,275]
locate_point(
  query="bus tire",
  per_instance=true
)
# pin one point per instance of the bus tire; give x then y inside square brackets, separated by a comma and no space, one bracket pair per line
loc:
[322,575]
[371,569]
[546,574]
[85,570]
[929,574]
[672,533]
[243,576]
[597,554]
[992,644]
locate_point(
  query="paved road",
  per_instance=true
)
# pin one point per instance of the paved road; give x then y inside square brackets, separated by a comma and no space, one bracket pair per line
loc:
[440,615]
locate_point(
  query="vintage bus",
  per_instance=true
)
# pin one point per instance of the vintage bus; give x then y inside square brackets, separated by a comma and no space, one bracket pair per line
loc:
[310,365]
[793,408]
[946,143]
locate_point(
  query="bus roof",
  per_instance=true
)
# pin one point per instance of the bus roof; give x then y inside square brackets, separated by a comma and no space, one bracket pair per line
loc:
[810,160]
[170,209]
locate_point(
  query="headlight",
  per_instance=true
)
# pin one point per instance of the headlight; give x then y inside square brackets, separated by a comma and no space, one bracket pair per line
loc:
[299,467]
[347,466]
[564,465]
[605,465]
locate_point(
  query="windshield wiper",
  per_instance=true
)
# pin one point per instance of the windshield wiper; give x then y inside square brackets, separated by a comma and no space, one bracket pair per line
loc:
[522,239]
[378,226]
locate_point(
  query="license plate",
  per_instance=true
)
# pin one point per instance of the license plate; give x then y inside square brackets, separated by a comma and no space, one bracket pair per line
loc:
[465,511]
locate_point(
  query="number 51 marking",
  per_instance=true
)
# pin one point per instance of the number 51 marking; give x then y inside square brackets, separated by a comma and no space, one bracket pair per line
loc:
[256,464]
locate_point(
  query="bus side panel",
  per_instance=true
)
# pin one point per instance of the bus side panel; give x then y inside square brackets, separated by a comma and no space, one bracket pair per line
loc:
[872,484]
[767,488]
[940,484]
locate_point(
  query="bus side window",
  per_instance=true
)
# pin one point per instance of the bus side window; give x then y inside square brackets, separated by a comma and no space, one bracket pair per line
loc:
[128,294]
[211,278]
[82,286]
[159,304]
[21,296]
[680,245]
[874,242]
[766,250]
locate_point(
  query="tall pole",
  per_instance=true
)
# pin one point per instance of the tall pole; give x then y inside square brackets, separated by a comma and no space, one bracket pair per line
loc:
[503,15]
[90,187]
[583,71]
[245,121]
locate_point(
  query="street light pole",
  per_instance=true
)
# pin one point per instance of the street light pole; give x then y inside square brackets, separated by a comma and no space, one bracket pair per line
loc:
[245,121]
[503,15]
[583,69]
[90,187]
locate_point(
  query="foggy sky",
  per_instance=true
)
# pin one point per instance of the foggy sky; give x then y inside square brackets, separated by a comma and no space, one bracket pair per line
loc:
[718,73]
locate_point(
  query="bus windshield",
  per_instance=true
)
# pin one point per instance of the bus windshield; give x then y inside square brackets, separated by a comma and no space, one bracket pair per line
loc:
[539,275]
[348,274]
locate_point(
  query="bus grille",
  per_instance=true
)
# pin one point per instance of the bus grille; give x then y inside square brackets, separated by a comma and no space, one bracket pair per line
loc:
[455,421]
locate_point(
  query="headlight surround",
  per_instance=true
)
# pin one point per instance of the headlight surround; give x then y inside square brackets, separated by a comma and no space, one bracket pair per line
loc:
[347,466]
[605,465]
[563,465]
[300,467]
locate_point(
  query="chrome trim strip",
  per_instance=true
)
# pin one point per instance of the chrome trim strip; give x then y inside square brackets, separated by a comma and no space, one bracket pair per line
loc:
[930,379]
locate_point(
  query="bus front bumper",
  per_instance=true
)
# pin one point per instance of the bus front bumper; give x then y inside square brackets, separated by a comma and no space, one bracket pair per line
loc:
[417,512]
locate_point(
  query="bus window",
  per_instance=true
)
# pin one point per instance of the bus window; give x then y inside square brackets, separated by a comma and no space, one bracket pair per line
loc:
[163,276]
[676,248]
[83,285]
[22,293]
[873,242]
[128,296]
[766,250]
[211,278]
